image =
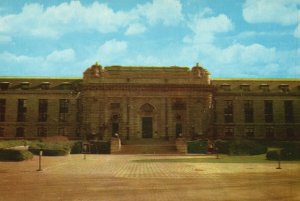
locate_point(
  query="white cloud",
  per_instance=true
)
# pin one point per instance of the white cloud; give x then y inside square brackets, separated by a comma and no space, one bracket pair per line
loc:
[284,12]
[250,55]
[57,62]
[60,56]
[112,47]
[134,29]
[205,28]
[166,11]
[54,21]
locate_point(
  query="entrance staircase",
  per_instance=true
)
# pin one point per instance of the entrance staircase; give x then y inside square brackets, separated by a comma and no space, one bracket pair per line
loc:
[148,146]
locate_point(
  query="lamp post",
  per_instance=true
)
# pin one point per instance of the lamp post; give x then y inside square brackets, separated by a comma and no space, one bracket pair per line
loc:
[40,160]
[279,160]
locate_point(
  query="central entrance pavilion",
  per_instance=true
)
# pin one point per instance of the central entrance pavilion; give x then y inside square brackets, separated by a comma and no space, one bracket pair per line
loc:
[146,102]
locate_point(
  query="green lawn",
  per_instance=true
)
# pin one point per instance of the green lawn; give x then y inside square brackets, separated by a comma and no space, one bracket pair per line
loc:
[222,159]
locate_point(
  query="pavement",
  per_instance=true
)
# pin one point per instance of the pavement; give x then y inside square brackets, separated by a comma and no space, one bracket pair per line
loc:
[121,178]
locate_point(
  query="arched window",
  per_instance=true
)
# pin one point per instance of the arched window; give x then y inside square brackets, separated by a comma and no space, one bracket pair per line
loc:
[147,108]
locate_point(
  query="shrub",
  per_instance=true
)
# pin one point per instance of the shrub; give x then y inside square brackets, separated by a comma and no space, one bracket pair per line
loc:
[49,152]
[101,147]
[240,147]
[246,147]
[289,151]
[14,155]
[222,146]
[76,147]
[197,146]
[50,148]
[13,143]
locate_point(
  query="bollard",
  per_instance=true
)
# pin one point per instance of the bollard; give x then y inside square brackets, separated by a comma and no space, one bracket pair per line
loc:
[279,160]
[40,160]
[217,153]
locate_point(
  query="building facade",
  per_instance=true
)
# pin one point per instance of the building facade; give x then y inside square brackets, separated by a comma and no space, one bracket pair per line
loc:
[149,102]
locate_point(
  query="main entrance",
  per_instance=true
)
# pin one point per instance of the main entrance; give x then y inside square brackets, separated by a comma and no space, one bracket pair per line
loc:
[147,127]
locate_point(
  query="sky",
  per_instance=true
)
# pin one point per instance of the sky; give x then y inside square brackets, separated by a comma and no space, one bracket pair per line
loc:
[230,38]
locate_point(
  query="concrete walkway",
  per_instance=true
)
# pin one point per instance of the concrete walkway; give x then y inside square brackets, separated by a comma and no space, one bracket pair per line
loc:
[120,178]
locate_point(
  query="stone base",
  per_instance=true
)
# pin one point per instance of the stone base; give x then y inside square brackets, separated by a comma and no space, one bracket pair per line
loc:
[181,145]
[115,145]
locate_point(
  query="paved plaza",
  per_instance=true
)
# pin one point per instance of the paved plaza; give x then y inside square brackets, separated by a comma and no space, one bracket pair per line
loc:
[124,178]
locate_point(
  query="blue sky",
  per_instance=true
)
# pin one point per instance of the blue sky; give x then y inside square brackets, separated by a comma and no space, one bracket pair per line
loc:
[232,38]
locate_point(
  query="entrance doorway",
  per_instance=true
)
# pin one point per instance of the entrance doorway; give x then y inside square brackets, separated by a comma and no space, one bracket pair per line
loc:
[147,125]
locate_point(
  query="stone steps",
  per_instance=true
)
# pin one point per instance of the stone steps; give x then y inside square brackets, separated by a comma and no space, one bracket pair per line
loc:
[148,149]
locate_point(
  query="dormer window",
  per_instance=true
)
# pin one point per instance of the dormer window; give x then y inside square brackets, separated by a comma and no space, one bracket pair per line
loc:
[245,87]
[66,86]
[45,85]
[4,86]
[25,85]
[284,88]
[226,87]
[264,87]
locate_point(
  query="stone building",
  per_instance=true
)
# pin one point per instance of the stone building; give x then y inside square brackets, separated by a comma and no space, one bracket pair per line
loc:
[149,102]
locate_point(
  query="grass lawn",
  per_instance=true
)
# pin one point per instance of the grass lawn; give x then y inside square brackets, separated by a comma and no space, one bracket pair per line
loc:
[222,159]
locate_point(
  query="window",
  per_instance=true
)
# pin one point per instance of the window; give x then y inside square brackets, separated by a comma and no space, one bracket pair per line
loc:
[264,87]
[42,132]
[268,110]
[2,109]
[245,87]
[228,111]
[270,134]
[290,134]
[248,111]
[249,132]
[25,85]
[79,111]
[20,132]
[2,132]
[45,85]
[229,132]
[288,111]
[4,86]
[43,109]
[284,88]
[63,109]
[61,131]
[22,109]
[225,87]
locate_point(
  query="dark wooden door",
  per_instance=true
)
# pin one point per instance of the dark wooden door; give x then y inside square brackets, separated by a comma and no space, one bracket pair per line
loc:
[147,127]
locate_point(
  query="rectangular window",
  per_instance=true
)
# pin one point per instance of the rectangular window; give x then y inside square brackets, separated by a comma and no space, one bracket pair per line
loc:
[268,110]
[288,111]
[43,110]
[20,132]
[63,109]
[79,111]
[1,132]
[61,131]
[229,132]
[249,132]
[228,111]
[290,134]
[22,109]
[270,134]
[2,109]
[42,132]
[248,111]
